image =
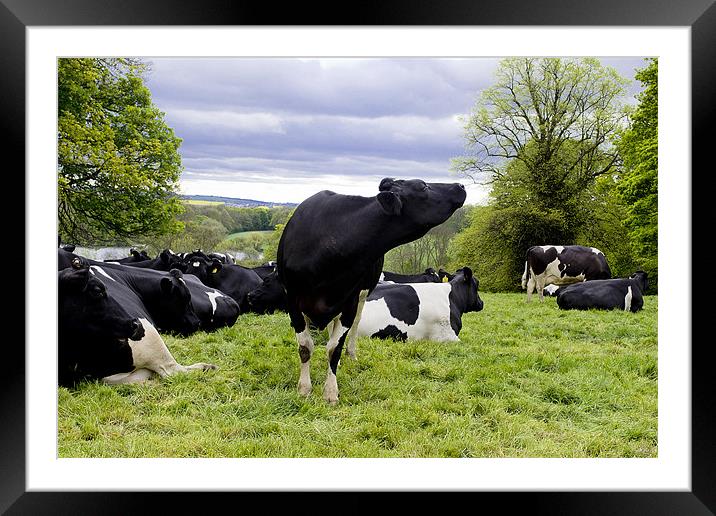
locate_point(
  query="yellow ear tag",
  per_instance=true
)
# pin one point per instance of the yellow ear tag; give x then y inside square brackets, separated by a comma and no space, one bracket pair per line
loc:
[214,270]
[445,280]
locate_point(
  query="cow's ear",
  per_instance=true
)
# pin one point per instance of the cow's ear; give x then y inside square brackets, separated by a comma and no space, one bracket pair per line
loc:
[385,184]
[467,273]
[215,266]
[391,203]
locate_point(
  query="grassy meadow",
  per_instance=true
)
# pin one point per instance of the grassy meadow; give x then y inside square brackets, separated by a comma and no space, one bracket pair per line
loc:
[526,380]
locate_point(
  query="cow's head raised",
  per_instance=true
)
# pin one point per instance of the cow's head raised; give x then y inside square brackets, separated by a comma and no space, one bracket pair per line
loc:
[425,205]
[85,308]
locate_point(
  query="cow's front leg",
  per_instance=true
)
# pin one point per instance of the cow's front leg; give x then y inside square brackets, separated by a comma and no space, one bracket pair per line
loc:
[152,353]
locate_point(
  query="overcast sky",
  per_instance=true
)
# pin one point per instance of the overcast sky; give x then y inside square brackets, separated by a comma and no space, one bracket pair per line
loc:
[276,129]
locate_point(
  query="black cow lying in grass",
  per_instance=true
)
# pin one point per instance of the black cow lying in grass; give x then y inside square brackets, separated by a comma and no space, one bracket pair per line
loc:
[619,293]
[104,333]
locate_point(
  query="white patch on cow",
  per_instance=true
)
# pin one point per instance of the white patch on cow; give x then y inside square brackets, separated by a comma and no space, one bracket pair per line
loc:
[596,251]
[212,299]
[305,341]
[136,376]
[150,352]
[101,271]
[627,299]
[171,252]
[559,248]
[195,264]
[382,277]
[433,321]
[551,288]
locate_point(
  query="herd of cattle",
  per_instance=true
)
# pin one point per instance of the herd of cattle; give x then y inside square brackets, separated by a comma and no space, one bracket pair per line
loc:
[328,275]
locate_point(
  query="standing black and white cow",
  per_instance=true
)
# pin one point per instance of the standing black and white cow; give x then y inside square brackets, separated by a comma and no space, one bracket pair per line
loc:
[618,293]
[104,332]
[331,253]
[562,265]
[233,280]
[429,276]
[409,311]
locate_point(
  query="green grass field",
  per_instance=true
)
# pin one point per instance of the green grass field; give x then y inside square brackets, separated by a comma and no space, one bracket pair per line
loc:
[244,234]
[526,380]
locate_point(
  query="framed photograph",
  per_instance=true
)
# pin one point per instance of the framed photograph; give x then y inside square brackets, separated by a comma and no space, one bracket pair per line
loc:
[677,480]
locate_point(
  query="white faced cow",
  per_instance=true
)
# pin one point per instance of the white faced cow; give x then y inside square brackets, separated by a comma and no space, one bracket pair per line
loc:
[562,265]
[331,252]
[410,311]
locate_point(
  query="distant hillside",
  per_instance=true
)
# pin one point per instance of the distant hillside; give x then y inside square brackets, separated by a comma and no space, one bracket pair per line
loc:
[240,203]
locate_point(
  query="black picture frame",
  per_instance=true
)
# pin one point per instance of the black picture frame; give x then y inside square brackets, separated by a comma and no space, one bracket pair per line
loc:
[699,15]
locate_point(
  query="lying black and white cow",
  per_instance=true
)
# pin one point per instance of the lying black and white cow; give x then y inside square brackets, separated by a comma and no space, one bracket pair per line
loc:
[233,280]
[330,256]
[214,308]
[411,311]
[269,296]
[562,265]
[104,333]
[429,276]
[165,295]
[618,293]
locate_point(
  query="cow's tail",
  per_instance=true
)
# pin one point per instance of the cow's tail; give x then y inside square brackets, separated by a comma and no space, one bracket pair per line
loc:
[525,276]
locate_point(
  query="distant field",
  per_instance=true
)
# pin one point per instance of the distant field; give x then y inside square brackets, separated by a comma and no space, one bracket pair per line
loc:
[526,381]
[244,234]
[192,201]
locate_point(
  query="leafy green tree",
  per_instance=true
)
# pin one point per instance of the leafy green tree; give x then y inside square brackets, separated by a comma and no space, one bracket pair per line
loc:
[118,162]
[541,136]
[638,184]
[534,109]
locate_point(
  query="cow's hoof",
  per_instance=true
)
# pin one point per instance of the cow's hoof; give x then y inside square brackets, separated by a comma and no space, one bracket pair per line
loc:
[331,399]
[330,390]
[209,367]
[304,389]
